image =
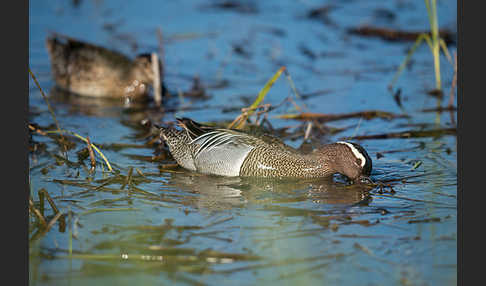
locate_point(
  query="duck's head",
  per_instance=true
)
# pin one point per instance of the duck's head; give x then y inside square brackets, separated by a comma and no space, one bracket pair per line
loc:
[349,159]
[142,75]
[143,69]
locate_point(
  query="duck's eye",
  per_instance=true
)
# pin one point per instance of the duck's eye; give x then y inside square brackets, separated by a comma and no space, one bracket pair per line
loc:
[358,161]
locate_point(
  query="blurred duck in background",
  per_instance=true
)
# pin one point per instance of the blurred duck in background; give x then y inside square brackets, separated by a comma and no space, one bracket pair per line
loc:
[91,70]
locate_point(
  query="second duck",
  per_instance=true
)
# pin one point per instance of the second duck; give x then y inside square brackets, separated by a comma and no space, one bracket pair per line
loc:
[91,70]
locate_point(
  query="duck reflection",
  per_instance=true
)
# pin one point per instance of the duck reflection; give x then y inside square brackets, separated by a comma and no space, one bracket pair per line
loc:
[216,193]
[90,106]
[131,113]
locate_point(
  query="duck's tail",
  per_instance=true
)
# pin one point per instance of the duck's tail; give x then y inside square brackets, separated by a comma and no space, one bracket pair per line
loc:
[193,128]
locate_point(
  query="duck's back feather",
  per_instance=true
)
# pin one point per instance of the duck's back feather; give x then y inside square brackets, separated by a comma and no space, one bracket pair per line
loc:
[217,151]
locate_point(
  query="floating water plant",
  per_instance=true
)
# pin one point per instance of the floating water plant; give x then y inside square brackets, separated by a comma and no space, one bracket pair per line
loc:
[85,140]
[44,225]
[60,131]
[434,41]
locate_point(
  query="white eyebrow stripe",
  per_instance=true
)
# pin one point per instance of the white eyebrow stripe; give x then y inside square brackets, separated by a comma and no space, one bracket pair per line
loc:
[355,151]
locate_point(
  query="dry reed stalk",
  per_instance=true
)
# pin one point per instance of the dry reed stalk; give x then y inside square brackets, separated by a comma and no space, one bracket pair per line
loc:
[37,213]
[157,88]
[454,82]
[49,107]
[308,130]
[49,199]
[53,221]
[128,179]
[91,154]
[31,127]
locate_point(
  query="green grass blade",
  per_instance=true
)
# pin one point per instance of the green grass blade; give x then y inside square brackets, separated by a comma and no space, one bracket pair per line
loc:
[240,120]
[446,52]
[419,40]
[263,92]
[429,43]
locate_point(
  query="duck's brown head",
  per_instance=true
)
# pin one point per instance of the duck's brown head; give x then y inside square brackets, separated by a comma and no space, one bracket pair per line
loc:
[349,159]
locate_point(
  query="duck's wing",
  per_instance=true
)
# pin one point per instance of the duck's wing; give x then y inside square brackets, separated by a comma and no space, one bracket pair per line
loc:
[207,137]
[65,51]
[63,47]
[222,152]
[218,151]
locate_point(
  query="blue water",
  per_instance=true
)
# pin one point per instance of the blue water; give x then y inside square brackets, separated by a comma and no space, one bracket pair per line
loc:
[413,243]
